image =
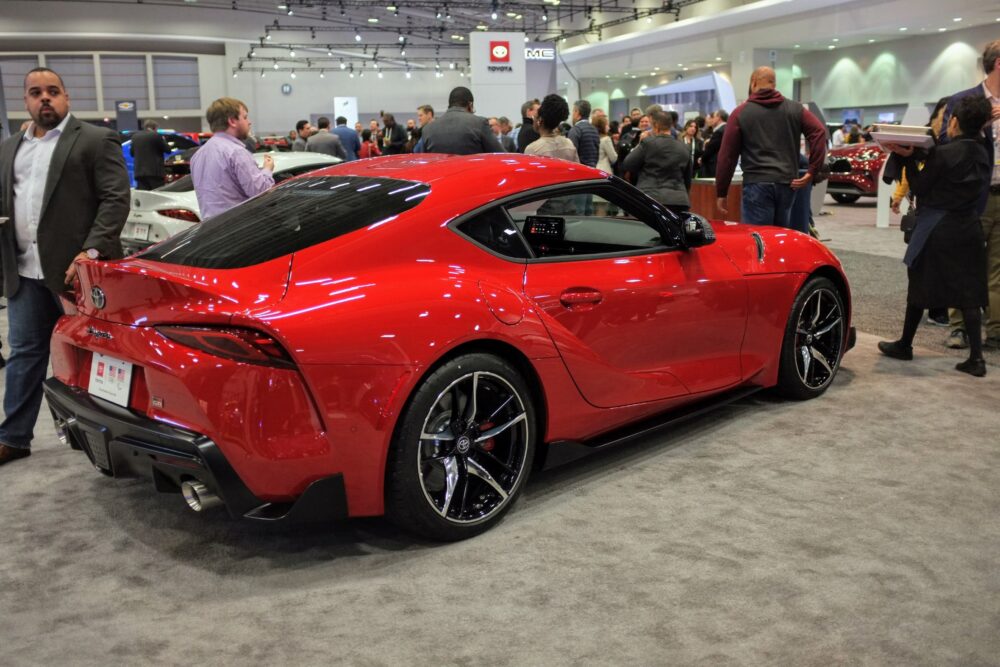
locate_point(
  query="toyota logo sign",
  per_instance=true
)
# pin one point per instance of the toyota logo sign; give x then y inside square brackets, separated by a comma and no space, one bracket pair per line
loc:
[499,52]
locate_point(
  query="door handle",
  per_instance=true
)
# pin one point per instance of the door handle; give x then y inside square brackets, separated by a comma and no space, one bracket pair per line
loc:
[580,297]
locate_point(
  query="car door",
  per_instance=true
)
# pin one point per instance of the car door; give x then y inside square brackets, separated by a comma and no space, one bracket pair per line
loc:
[636,317]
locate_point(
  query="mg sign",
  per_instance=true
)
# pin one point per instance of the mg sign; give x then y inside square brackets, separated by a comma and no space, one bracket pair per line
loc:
[546,53]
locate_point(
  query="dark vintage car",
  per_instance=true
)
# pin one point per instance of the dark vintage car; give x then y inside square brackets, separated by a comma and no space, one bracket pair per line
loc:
[854,171]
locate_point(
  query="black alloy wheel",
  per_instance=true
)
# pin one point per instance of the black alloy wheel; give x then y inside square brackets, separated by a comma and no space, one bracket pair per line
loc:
[464,449]
[814,341]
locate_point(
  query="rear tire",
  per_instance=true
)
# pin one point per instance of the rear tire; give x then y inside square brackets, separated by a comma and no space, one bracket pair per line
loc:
[813,344]
[842,198]
[463,449]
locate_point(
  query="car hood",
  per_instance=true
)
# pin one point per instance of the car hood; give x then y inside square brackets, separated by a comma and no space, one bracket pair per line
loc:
[866,151]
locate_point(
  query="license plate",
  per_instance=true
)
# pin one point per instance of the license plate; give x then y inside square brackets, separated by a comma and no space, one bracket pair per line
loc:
[110,379]
[140,230]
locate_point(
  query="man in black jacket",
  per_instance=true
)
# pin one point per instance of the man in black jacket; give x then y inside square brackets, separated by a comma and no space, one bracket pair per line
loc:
[65,198]
[148,149]
[709,157]
[459,131]
[989,201]
[527,132]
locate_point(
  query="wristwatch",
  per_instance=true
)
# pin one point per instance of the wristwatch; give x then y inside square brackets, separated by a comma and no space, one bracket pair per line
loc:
[92,253]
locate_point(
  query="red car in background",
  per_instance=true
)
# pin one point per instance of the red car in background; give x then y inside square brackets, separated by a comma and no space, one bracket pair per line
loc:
[854,171]
[412,335]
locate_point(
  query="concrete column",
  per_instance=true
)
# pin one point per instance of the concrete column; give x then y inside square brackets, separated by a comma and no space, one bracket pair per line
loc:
[747,60]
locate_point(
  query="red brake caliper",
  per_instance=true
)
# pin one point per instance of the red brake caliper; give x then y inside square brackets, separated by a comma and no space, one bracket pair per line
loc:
[487,445]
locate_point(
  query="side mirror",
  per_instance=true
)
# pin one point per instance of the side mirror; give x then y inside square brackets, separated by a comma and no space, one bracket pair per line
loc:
[697,231]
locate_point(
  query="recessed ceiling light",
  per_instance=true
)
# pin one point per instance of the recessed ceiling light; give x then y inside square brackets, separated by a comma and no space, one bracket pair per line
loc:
[798,46]
[390,8]
[633,76]
[656,69]
[871,41]
[957,19]
[718,58]
[373,20]
[835,40]
[903,29]
[941,29]
[831,47]
[686,68]
[711,64]
[680,64]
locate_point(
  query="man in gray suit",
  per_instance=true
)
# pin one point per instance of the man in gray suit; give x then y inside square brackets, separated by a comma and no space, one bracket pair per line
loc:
[459,131]
[65,195]
[323,141]
[506,143]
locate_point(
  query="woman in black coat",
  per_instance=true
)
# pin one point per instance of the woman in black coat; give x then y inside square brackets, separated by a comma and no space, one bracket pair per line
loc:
[946,258]
[663,165]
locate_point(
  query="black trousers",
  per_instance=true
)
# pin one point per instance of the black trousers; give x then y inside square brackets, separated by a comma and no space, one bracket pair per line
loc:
[148,182]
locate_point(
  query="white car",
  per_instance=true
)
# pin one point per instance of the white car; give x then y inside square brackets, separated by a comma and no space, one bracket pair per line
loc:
[159,214]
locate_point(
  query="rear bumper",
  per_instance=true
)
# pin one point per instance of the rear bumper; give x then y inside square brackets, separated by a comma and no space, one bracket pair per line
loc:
[122,444]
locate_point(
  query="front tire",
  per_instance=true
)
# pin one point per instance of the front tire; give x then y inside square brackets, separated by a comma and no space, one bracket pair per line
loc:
[463,449]
[813,344]
[842,198]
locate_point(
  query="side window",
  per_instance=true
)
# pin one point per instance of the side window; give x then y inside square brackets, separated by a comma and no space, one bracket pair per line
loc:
[582,224]
[494,230]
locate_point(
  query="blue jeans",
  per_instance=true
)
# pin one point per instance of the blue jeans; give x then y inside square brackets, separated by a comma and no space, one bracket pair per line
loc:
[32,314]
[802,210]
[767,204]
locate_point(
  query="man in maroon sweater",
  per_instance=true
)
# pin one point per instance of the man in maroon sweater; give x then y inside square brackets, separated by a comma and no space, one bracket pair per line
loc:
[764,134]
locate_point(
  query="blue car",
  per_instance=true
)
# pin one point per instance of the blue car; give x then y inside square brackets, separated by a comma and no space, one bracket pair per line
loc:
[178,143]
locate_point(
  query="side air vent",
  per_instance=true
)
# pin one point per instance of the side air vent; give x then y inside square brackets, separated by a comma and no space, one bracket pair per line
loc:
[760,245]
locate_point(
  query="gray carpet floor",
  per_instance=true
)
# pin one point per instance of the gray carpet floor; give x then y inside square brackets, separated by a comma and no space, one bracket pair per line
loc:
[857,529]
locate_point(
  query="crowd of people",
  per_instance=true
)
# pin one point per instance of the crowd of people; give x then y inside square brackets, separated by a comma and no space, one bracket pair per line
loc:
[66,191]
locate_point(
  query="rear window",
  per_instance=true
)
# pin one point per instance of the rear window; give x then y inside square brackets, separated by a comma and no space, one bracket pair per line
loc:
[290,217]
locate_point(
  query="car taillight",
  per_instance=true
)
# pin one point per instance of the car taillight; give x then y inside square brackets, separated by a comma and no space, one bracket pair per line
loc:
[180,214]
[246,345]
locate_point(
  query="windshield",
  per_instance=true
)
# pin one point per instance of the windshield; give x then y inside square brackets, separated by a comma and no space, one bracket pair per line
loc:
[292,216]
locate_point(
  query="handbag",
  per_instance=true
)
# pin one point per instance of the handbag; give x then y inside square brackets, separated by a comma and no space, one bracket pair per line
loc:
[908,223]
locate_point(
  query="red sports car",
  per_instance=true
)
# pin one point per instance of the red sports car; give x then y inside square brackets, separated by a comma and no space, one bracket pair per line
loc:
[412,335]
[854,171]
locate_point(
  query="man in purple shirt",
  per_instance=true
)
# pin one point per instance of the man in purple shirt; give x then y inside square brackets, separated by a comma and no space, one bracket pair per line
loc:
[224,173]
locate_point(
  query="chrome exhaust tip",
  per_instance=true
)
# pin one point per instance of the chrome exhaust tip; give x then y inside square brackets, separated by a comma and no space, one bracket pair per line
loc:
[62,429]
[198,497]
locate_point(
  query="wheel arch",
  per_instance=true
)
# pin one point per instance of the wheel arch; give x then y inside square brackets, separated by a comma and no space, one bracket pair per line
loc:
[840,282]
[502,350]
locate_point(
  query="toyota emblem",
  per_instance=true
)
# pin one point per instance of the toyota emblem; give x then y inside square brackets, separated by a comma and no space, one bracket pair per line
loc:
[97,296]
